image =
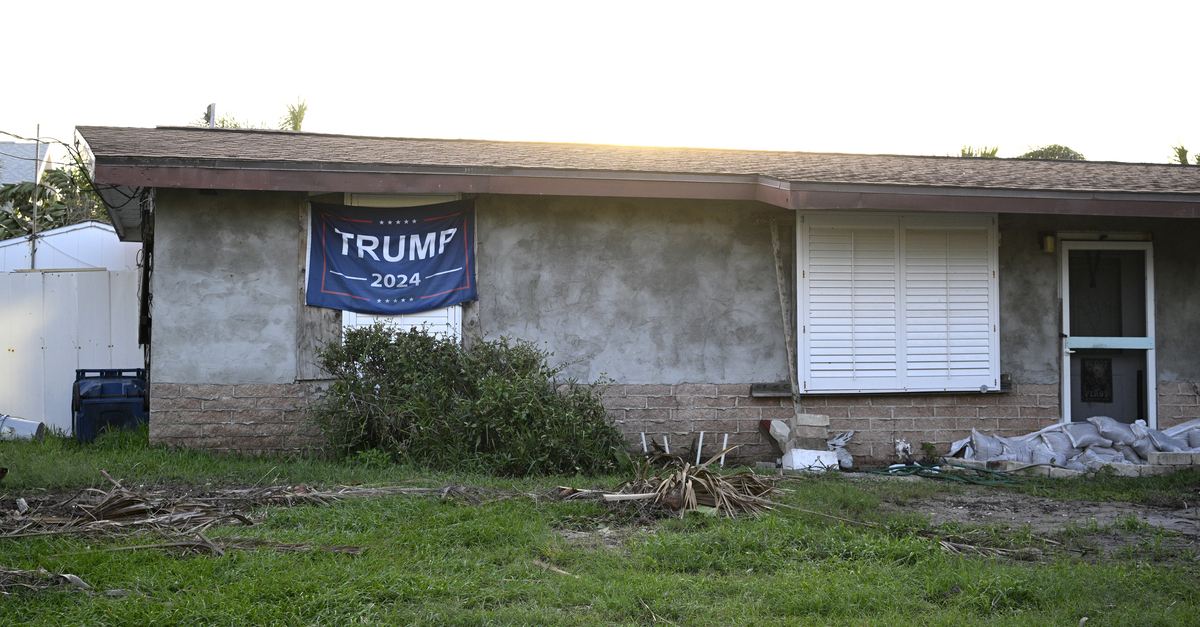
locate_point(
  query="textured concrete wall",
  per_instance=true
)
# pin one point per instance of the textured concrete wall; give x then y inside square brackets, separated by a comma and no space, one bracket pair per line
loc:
[226,271]
[645,291]
[1031,308]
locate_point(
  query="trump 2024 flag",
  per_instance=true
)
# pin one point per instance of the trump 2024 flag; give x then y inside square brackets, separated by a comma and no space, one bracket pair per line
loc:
[391,261]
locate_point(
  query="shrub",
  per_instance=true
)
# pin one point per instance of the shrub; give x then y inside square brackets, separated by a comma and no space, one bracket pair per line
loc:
[497,407]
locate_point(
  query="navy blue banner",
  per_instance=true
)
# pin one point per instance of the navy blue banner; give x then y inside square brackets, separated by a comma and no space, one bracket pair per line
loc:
[391,261]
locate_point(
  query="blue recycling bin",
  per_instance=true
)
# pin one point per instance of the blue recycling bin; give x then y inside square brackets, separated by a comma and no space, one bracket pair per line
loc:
[108,399]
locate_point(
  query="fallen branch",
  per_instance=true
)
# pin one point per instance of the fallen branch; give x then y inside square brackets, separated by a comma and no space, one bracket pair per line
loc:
[553,569]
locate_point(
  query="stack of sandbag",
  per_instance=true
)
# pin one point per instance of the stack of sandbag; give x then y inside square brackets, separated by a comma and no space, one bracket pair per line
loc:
[1082,446]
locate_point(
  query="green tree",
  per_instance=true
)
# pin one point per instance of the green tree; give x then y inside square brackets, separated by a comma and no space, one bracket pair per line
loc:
[64,196]
[294,117]
[1053,151]
[291,121]
[224,120]
[1181,155]
[981,151]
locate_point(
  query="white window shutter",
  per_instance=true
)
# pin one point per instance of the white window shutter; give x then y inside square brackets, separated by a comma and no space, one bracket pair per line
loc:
[947,314]
[853,290]
[897,303]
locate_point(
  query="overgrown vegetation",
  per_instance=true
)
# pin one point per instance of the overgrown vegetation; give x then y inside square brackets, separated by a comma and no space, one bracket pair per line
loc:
[498,407]
[63,197]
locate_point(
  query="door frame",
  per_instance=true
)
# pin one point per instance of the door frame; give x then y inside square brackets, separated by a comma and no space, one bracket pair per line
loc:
[1070,344]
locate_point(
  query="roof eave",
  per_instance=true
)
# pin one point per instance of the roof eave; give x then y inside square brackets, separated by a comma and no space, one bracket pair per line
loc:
[796,195]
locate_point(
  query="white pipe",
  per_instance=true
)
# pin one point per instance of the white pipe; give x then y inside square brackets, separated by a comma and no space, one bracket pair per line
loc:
[644,449]
[666,445]
[699,447]
[724,445]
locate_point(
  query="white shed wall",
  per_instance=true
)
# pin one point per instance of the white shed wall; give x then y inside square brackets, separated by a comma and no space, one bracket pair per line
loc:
[52,323]
[83,245]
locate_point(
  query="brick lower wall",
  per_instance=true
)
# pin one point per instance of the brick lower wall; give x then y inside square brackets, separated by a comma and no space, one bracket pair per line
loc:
[1177,403]
[681,412]
[252,418]
[273,418]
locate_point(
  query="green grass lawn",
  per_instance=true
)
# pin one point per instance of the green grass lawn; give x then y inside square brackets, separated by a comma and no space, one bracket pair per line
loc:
[435,562]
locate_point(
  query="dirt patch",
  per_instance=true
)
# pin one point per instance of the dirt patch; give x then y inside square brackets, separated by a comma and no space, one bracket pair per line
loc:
[986,506]
[1112,529]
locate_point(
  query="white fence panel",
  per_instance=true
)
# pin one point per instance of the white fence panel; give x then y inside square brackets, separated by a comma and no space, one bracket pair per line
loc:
[53,323]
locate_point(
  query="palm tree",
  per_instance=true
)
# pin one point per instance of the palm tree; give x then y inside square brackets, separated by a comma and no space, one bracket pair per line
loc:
[981,151]
[294,117]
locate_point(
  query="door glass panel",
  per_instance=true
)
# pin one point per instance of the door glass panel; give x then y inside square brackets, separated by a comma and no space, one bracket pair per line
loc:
[1108,383]
[1108,293]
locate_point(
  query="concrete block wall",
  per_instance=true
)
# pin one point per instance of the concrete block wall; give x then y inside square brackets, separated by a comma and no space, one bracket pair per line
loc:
[1178,403]
[939,419]
[681,412]
[253,418]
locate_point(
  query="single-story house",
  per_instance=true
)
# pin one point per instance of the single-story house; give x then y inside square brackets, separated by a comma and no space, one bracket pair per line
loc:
[22,161]
[926,296]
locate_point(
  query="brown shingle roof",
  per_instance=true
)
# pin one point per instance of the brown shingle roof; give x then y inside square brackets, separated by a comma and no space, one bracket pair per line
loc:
[201,147]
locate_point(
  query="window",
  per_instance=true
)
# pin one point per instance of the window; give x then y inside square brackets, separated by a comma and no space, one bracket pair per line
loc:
[446,321]
[897,303]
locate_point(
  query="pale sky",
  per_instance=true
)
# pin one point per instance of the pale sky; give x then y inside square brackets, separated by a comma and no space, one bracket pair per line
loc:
[1109,80]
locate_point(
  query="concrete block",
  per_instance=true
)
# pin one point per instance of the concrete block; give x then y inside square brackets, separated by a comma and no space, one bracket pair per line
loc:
[1063,473]
[1169,459]
[812,420]
[1004,465]
[1153,470]
[1035,471]
[1196,458]
[1124,470]
[973,463]
[779,431]
[811,431]
[809,460]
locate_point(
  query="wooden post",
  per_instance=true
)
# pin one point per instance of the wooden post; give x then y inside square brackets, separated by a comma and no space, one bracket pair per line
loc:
[803,429]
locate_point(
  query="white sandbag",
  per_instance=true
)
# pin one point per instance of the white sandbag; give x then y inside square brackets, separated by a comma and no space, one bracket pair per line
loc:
[1085,434]
[1144,447]
[1183,428]
[1131,455]
[963,446]
[1077,466]
[1060,444]
[1097,456]
[986,446]
[1111,428]
[1194,438]
[1043,454]
[1166,443]
[1019,450]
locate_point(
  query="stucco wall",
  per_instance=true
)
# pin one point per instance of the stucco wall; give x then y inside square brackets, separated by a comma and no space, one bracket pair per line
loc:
[1031,307]
[226,272]
[645,291]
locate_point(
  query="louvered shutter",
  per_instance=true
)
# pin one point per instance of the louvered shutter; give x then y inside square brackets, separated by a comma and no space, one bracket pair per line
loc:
[853,289]
[897,303]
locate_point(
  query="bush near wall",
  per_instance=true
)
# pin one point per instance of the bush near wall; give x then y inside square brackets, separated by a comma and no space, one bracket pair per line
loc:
[497,407]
